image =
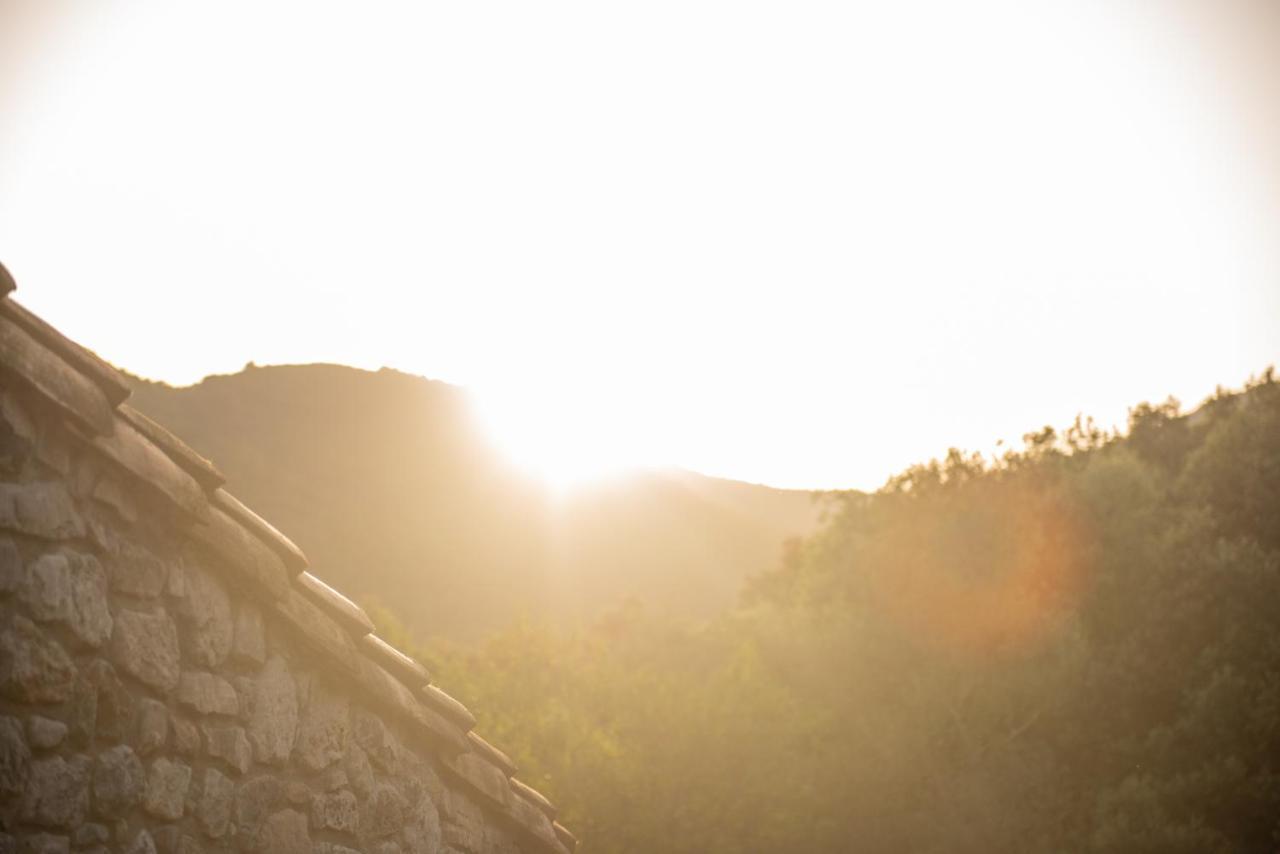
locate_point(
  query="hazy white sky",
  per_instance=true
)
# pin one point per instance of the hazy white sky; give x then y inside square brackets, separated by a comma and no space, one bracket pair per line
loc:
[793,242]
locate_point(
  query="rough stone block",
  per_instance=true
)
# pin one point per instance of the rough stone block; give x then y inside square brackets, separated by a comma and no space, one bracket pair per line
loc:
[118,780]
[358,770]
[42,510]
[463,837]
[385,812]
[102,707]
[205,614]
[33,668]
[377,740]
[175,586]
[82,712]
[255,800]
[422,835]
[146,647]
[152,730]
[167,837]
[44,843]
[284,832]
[104,538]
[324,729]
[166,792]
[141,844]
[230,744]
[333,779]
[333,848]
[70,588]
[15,759]
[298,793]
[90,834]
[45,733]
[335,811]
[134,571]
[57,793]
[186,736]
[213,809]
[274,720]
[207,694]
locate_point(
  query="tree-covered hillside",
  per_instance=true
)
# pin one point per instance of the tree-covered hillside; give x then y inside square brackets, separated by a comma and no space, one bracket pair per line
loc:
[387,483]
[1073,648]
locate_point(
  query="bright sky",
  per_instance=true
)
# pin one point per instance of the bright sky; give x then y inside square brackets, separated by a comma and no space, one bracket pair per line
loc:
[800,243]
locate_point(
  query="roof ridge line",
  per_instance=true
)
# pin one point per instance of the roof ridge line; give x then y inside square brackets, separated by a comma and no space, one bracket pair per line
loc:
[99,370]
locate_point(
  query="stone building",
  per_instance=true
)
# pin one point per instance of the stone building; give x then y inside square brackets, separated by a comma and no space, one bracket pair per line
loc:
[174,680]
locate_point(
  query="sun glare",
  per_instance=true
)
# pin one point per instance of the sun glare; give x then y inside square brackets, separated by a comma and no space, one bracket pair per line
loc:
[565,444]
[766,241]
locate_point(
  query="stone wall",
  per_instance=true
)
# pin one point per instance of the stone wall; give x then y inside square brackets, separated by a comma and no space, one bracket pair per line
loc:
[173,680]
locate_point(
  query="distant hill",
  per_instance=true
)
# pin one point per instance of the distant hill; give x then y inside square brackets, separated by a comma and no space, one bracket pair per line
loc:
[388,485]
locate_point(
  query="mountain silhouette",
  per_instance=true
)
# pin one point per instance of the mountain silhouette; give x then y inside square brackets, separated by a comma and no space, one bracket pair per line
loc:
[389,485]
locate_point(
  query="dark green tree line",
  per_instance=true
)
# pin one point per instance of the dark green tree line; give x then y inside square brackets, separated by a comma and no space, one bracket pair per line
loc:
[1072,648]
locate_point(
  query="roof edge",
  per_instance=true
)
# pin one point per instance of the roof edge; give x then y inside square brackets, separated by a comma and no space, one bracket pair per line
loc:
[90,393]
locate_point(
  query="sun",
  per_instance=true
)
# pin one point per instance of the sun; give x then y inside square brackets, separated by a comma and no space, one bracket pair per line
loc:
[561,440]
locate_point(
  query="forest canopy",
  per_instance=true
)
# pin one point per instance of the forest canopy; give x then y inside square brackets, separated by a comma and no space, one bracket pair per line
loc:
[1071,647]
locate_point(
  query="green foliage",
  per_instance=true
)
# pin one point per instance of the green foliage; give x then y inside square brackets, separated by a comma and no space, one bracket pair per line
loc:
[1071,648]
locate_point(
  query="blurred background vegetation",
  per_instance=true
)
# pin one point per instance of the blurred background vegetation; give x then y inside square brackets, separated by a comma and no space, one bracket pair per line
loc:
[1071,648]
